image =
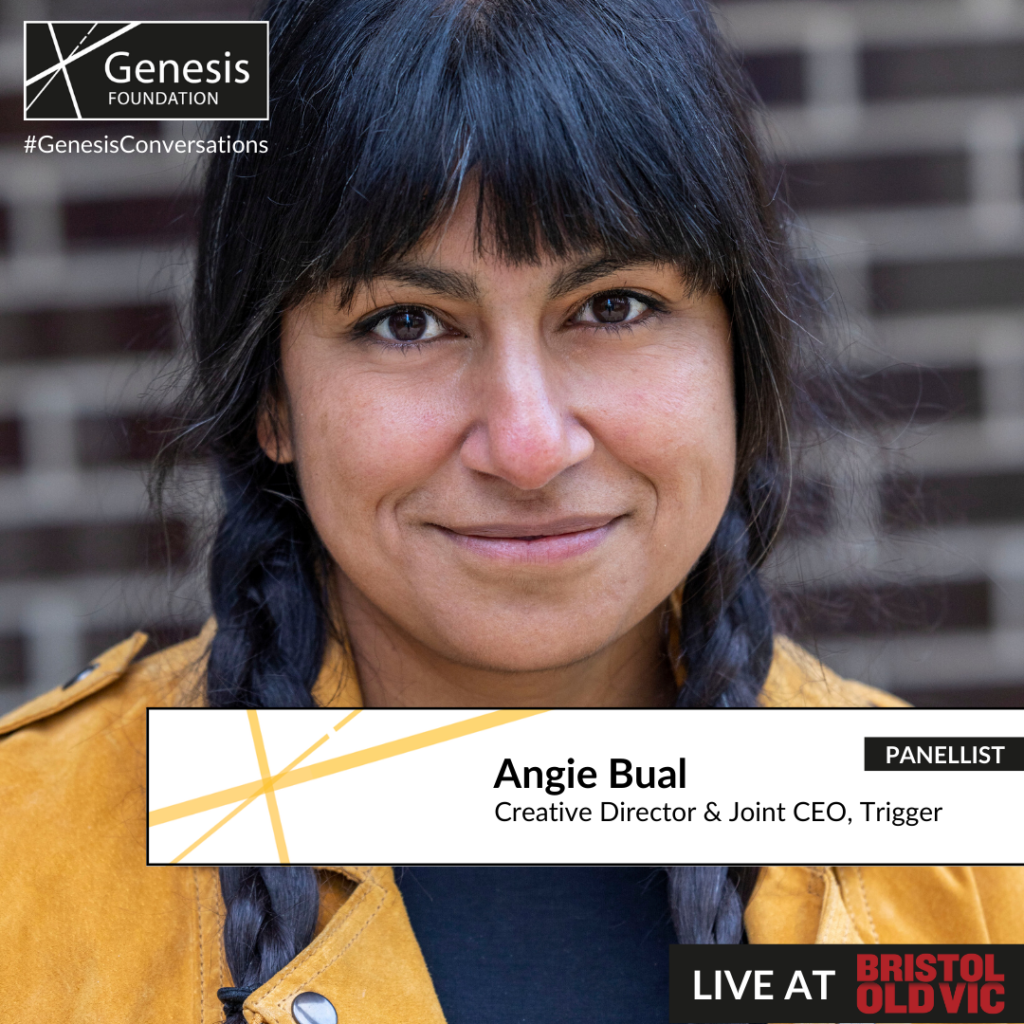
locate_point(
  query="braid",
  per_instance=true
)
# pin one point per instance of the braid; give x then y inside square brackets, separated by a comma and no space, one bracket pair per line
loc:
[271,914]
[266,595]
[706,904]
[726,629]
[267,652]
[726,644]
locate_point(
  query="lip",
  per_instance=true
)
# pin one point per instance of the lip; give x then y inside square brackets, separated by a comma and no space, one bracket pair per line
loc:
[545,543]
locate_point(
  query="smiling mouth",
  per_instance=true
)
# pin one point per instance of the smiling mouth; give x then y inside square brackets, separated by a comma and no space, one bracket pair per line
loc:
[545,543]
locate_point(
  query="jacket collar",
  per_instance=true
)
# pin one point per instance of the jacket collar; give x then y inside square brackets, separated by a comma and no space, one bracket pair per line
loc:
[367,962]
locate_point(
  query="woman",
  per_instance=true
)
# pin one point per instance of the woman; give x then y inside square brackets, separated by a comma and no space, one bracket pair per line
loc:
[495,354]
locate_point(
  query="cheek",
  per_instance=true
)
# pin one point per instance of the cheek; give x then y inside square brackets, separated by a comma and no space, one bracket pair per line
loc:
[363,442]
[673,420]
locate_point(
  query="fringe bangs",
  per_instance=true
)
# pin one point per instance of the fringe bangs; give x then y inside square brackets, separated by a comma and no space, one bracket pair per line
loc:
[573,134]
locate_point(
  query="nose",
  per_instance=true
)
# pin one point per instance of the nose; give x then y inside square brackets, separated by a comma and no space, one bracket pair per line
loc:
[525,431]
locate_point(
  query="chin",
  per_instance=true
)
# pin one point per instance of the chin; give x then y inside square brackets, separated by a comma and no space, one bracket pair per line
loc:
[526,649]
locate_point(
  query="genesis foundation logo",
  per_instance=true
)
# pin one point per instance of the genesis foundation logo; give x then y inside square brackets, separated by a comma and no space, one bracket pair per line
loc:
[146,71]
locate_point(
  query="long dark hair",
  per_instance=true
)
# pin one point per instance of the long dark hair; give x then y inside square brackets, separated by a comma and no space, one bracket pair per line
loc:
[621,126]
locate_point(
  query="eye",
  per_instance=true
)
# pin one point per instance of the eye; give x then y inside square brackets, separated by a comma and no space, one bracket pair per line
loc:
[408,324]
[612,308]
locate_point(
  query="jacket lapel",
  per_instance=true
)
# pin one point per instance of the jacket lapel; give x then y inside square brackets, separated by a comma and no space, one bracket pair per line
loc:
[366,961]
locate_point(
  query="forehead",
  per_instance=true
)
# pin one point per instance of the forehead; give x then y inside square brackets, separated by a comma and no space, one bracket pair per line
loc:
[460,253]
[463,234]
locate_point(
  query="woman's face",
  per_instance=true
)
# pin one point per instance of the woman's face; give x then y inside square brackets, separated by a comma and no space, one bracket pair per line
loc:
[512,466]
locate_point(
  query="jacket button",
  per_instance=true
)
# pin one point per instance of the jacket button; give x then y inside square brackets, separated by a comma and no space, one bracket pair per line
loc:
[84,674]
[313,1008]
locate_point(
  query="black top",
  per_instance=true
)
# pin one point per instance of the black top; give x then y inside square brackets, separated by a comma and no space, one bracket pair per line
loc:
[543,945]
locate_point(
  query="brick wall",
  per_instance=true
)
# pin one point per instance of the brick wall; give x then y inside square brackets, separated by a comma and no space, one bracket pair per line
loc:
[94,270]
[900,122]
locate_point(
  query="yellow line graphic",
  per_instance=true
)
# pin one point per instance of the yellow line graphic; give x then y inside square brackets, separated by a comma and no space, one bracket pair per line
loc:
[293,776]
[252,791]
[348,718]
[268,786]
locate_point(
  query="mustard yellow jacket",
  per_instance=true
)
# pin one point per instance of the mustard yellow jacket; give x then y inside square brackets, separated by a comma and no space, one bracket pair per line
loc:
[89,933]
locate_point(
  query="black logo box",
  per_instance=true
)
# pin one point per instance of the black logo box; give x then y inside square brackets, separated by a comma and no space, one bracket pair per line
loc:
[944,754]
[66,77]
[841,988]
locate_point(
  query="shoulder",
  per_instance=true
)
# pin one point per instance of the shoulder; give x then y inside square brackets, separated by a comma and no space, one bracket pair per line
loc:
[94,724]
[797,679]
[73,793]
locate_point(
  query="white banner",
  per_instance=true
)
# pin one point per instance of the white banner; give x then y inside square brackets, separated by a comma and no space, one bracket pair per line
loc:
[601,786]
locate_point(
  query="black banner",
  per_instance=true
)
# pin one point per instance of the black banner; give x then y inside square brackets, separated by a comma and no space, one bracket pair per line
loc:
[943,754]
[146,71]
[798,983]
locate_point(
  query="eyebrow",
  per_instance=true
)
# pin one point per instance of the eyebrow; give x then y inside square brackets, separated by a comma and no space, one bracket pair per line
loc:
[583,273]
[463,286]
[441,282]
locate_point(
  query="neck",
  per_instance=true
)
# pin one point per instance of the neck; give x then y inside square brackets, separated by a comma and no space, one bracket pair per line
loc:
[396,670]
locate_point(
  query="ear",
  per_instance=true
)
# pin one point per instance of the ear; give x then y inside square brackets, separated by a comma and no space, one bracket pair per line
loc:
[273,429]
